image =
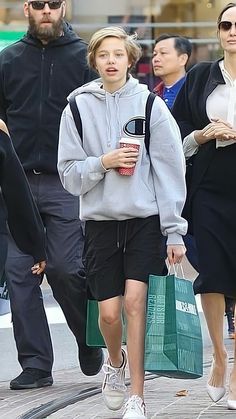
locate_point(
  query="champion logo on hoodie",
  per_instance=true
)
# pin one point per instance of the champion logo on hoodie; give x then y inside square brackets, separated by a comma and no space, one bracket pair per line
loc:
[135,127]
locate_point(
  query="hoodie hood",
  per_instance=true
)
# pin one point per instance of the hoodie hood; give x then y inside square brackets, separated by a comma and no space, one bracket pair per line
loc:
[132,87]
[113,103]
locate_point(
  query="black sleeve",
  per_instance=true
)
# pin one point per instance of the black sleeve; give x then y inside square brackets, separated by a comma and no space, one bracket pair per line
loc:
[23,218]
[182,110]
[2,100]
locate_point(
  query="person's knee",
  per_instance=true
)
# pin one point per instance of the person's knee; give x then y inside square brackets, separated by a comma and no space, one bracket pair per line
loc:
[110,318]
[133,305]
[25,298]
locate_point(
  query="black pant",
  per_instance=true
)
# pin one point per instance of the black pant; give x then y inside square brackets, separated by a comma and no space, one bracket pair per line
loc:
[65,274]
[229,311]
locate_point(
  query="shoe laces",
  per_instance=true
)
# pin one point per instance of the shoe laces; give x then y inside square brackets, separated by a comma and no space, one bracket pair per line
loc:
[135,402]
[114,377]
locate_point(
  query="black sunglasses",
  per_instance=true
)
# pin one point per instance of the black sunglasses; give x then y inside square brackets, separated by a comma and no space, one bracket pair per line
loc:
[39,5]
[226,25]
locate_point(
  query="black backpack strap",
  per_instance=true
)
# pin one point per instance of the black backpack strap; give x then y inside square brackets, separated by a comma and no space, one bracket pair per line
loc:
[76,115]
[148,110]
[78,123]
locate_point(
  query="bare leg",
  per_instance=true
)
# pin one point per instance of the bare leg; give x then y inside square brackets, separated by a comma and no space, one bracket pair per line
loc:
[135,311]
[214,308]
[110,324]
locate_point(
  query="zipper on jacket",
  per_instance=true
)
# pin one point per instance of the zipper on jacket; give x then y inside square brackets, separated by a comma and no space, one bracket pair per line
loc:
[50,79]
[41,86]
[41,97]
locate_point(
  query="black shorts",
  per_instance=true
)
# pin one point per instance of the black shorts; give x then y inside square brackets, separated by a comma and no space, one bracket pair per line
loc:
[118,250]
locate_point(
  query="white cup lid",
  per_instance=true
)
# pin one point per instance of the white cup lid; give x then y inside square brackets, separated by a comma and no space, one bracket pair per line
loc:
[129,141]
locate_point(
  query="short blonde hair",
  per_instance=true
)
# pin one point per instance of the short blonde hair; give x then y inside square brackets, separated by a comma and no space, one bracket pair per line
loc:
[132,47]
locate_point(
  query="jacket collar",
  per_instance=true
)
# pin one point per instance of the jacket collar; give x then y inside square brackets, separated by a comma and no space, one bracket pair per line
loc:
[215,78]
[159,89]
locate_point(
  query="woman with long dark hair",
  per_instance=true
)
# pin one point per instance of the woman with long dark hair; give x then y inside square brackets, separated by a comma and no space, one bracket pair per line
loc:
[205,110]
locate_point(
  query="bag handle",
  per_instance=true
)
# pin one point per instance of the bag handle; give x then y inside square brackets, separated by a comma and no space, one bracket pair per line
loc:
[176,268]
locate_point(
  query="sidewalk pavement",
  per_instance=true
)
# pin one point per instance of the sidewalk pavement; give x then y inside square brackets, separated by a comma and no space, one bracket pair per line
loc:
[161,395]
[74,395]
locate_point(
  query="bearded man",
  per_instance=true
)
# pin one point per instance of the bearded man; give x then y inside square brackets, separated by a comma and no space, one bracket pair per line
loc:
[36,75]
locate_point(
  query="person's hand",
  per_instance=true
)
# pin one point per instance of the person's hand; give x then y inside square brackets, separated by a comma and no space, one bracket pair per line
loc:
[120,157]
[38,268]
[221,130]
[216,129]
[3,127]
[175,253]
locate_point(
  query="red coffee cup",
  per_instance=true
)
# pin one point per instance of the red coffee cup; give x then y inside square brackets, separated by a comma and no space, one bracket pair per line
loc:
[128,142]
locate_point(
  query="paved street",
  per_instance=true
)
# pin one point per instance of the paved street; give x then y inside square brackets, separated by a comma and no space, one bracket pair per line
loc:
[74,395]
[65,394]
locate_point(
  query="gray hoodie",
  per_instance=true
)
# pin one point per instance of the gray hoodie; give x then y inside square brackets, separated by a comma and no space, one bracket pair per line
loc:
[158,183]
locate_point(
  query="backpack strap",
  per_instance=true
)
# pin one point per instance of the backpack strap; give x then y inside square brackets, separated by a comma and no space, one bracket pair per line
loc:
[76,115]
[78,123]
[148,110]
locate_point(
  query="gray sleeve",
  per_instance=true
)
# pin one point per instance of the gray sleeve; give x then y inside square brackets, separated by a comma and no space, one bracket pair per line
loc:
[78,172]
[168,168]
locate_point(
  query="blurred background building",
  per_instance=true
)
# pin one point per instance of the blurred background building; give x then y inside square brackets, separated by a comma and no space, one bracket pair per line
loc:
[149,18]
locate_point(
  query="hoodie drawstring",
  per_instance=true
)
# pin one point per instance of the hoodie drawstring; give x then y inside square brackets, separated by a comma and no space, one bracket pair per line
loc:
[125,234]
[115,130]
[108,120]
[117,102]
[118,235]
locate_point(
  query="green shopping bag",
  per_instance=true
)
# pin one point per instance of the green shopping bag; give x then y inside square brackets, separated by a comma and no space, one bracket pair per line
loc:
[93,334]
[173,342]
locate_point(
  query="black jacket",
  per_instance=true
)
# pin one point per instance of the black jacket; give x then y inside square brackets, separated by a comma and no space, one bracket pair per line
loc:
[35,81]
[190,112]
[17,207]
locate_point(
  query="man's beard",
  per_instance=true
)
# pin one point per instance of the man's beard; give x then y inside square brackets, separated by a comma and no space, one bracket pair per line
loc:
[46,33]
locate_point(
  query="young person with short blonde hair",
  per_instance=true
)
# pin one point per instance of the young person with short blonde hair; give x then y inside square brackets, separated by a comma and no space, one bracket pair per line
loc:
[125,215]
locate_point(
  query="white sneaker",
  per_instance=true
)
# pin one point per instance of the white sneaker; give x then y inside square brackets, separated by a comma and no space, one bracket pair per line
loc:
[135,408]
[114,388]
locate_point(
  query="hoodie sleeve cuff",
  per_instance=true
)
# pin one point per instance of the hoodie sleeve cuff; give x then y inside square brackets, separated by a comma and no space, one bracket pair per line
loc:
[105,170]
[175,238]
